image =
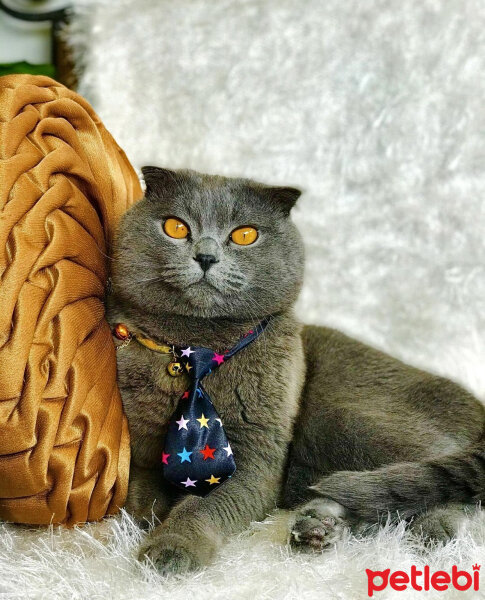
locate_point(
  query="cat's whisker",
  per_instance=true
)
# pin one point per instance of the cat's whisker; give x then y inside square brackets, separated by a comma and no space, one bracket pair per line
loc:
[151,279]
[169,276]
[173,268]
[233,285]
[111,258]
[263,337]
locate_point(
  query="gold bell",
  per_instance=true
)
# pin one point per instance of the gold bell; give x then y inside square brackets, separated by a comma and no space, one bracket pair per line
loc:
[175,369]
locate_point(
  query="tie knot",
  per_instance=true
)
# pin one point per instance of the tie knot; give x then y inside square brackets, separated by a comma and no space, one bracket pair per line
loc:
[200,361]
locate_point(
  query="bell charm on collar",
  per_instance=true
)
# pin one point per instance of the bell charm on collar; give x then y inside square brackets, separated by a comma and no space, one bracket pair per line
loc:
[175,368]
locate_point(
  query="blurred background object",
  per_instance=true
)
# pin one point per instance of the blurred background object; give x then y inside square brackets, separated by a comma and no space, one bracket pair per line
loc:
[30,40]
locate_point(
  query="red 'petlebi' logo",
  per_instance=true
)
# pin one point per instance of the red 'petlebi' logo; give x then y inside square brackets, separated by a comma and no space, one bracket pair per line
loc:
[423,580]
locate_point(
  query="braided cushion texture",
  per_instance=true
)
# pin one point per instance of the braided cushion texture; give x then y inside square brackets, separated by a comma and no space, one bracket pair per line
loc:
[64,182]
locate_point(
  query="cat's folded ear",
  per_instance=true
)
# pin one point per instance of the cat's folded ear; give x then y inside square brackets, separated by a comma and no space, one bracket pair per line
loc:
[284,197]
[158,180]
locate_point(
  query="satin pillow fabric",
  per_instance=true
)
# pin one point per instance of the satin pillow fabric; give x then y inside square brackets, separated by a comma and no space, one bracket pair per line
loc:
[64,183]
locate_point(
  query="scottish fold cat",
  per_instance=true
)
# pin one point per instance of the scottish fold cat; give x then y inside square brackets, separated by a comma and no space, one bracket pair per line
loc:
[319,423]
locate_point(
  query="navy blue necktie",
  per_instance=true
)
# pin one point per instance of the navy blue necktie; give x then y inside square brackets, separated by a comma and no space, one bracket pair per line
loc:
[197,456]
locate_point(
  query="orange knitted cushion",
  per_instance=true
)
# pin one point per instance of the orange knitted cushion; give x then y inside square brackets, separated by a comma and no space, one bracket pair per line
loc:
[64,447]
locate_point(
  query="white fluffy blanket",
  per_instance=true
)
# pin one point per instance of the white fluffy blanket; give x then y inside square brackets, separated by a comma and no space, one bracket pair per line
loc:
[375,109]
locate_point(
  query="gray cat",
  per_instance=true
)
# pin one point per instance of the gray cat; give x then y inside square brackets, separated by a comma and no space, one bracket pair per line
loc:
[318,422]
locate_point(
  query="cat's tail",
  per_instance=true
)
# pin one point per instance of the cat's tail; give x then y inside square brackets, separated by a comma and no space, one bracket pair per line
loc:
[408,488]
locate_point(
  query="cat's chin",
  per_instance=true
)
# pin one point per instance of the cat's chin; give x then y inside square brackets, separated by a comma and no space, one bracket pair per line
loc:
[204,299]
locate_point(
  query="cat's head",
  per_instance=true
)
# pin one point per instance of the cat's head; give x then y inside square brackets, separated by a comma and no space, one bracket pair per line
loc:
[209,246]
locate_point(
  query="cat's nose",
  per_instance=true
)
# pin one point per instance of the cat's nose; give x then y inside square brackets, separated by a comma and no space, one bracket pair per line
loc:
[205,261]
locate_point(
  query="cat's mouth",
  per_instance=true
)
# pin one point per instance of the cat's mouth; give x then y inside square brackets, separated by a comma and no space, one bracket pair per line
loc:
[208,292]
[204,295]
[204,281]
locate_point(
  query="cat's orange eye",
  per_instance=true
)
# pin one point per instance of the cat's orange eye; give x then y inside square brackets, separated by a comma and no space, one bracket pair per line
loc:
[175,228]
[244,236]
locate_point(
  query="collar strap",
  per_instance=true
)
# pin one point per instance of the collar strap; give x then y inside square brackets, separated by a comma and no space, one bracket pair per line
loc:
[151,345]
[122,333]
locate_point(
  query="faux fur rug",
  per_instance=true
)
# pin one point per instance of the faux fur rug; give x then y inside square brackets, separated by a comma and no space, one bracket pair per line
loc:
[97,562]
[375,109]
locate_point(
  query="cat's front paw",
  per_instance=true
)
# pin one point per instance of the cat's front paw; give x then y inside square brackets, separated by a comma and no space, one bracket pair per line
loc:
[316,526]
[170,554]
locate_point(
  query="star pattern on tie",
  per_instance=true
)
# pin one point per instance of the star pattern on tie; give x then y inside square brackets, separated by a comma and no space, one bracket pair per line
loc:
[228,449]
[189,482]
[218,358]
[184,455]
[182,423]
[203,421]
[208,452]
[213,480]
[197,456]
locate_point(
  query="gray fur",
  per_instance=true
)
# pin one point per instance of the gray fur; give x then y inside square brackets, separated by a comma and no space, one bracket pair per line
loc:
[368,433]
[440,524]
[158,291]
[376,435]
